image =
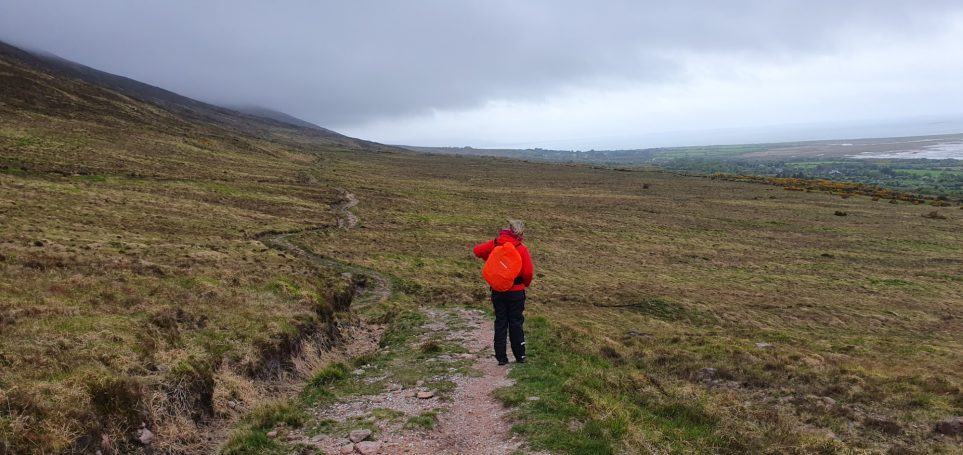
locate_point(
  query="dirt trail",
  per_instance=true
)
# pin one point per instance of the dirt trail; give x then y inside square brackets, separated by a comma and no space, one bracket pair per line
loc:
[342,209]
[476,423]
[371,287]
[467,419]
[464,418]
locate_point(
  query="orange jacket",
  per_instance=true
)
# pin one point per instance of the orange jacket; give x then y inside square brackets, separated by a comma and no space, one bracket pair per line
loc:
[482,250]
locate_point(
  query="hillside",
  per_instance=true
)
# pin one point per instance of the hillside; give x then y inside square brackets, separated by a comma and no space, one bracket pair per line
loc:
[264,112]
[58,87]
[174,267]
[133,288]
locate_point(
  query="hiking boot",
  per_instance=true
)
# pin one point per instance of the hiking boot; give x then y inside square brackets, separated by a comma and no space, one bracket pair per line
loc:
[521,360]
[502,362]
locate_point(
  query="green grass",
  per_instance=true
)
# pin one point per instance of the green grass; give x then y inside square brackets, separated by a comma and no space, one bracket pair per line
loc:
[386,414]
[554,374]
[252,443]
[251,437]
[424,421]
[343,428]
[334,382]
[404,325]
[318,386]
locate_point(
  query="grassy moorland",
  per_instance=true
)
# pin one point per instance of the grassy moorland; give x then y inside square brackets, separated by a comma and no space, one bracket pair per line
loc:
[132,289]
[669,314]
[826,332]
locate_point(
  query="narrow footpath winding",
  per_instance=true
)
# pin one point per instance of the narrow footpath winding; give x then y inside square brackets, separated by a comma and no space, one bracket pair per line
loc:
[372,287]
[431,395]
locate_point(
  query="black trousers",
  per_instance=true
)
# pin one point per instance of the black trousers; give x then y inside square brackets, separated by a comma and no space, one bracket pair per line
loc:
[509,317]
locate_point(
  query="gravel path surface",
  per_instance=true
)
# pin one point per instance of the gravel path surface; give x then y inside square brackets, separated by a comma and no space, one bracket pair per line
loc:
[469,419]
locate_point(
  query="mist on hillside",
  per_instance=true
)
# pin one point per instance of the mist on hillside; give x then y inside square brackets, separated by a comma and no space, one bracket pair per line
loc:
[570,75]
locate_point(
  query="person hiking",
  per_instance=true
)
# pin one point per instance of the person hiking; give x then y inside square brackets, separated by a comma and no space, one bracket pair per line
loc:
[508,271]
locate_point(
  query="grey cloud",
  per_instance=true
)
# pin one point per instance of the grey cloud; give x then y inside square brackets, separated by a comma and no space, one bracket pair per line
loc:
[344,63]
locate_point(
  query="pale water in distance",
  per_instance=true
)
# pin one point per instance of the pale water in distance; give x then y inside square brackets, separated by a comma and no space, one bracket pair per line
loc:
[938,151]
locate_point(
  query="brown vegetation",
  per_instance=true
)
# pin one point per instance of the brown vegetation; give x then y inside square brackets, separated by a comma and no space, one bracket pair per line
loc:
[134,293]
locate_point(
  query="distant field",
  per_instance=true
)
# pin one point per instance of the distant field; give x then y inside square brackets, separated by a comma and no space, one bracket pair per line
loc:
[930,165]
[931,147]
[948,146]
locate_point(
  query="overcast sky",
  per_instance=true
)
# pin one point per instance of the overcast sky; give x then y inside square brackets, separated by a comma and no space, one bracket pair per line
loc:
[531,73]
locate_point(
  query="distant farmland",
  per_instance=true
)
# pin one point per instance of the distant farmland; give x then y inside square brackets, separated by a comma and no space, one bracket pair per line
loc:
[928,165]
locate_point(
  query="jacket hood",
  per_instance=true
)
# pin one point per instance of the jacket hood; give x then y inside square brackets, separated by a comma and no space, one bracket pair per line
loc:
[506,235]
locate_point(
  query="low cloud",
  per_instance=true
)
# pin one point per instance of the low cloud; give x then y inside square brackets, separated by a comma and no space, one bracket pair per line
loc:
[357,65]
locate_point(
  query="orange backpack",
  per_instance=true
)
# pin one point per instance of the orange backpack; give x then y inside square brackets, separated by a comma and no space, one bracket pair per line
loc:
[502,267]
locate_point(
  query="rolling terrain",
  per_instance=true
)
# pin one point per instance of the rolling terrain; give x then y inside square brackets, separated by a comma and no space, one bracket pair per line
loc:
[924,165]
[175,269]
[944,146]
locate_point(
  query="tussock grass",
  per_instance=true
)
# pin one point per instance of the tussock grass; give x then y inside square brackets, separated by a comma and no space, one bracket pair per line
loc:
[133,289]
[424,421]
[251,437]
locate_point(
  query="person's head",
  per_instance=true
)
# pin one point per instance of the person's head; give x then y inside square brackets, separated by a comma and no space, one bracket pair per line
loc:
[516,226]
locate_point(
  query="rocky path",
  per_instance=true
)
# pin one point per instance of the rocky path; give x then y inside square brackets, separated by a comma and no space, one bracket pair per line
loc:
[477,423]
[342,210]
[436,402]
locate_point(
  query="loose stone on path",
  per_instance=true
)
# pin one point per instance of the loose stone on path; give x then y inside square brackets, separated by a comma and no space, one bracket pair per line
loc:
[359,435]
[368,447]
